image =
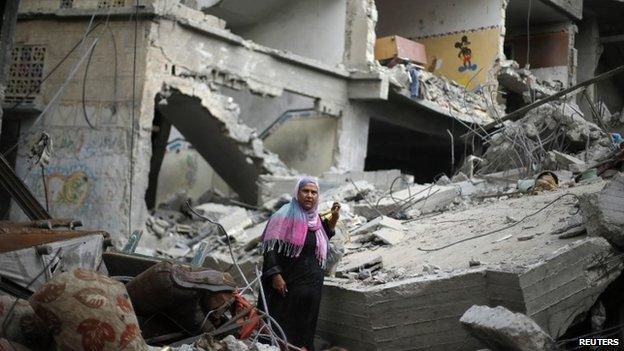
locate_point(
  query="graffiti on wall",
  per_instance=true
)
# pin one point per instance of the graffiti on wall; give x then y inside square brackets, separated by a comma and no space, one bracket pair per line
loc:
[68,189]
[89,143]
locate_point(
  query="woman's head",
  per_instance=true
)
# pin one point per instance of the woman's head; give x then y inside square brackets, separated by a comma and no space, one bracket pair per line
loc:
[307,193]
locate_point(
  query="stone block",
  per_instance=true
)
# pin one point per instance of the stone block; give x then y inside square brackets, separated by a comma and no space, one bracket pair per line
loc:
[568,162]
[603,212]
[378,223]
[389,236]
[503,330]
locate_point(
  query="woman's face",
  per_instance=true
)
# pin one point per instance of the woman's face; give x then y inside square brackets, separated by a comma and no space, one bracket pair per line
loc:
[307,196]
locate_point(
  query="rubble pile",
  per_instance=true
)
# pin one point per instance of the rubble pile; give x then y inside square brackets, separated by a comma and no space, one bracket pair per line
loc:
[522,81]
[451,97]
[535,141]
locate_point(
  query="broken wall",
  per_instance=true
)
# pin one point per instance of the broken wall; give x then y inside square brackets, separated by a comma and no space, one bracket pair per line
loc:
[441,25]
[184,169]
[306,144]
[186,49]
[551,51]
[259,112]
[88,177]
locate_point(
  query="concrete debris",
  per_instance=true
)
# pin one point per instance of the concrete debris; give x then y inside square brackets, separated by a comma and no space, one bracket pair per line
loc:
[383,179]
[474,262]
[389,236]
[565,161]
[550,127]
[521,81]
[422,197]
[503,330]
[378,223]
[448,95]
[602,212]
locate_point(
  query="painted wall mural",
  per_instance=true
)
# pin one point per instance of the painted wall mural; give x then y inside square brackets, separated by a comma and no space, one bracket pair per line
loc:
[464,57]
[465,54]
[68,189]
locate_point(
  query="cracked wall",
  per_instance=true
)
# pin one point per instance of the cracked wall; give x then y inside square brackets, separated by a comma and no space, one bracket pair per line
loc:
[87,178]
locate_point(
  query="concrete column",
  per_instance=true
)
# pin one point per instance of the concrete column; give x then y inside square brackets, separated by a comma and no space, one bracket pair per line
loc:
[360,33]
[352,138]
[589,51]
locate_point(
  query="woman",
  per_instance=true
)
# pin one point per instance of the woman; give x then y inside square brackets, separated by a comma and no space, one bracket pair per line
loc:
[295,245]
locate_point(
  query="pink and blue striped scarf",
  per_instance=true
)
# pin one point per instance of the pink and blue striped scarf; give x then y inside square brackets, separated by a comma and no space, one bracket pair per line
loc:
[287,228]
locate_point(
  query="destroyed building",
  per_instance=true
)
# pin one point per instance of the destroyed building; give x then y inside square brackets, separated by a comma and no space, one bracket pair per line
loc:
[432,121]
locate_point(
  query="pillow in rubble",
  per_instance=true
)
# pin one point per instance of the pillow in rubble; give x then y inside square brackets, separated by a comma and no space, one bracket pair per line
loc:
[19,324]
[88,311]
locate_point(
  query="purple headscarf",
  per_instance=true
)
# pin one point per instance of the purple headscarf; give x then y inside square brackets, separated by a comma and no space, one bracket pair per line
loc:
[287,228]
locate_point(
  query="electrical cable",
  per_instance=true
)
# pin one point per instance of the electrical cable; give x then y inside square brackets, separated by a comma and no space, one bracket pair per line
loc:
[265,306]
[229,244]
[499,229]
[90,28]
[84,87]
[33,89]
[86,72]
[45,188]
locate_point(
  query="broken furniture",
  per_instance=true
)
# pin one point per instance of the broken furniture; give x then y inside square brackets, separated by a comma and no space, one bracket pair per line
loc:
[396,49]
[27,250]
[177,301]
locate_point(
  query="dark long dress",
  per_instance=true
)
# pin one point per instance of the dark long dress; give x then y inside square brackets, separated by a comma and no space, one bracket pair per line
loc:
[297,312]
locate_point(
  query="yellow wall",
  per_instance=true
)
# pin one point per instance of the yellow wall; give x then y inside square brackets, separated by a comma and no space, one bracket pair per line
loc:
[484,45]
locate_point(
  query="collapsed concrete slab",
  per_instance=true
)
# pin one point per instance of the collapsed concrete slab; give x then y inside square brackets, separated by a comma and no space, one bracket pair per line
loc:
[549,279]
[603,212]
[502,330]
[210,122]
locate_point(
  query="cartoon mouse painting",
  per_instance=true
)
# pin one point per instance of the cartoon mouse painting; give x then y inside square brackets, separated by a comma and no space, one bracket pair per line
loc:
[465,54]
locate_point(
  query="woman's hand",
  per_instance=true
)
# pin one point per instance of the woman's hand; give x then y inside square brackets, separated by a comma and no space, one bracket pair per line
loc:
[335,214]
[279,284]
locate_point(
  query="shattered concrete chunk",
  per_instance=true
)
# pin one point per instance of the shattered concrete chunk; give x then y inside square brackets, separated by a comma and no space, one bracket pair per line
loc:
[371,262]
[503,330]
[349,191]
[568,162]
[522,81]
[603,212]
[389,236]
[378,223]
